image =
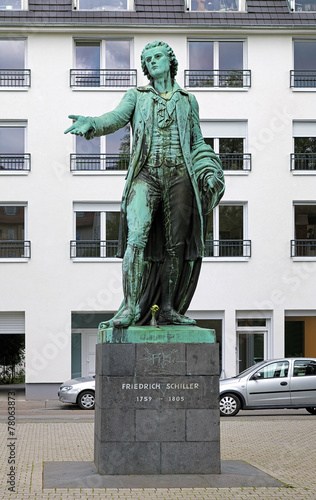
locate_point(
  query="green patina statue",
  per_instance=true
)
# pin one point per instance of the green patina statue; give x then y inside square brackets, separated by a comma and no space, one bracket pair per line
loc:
[174,180]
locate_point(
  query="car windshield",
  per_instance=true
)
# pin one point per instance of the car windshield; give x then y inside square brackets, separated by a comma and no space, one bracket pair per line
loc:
[248,370]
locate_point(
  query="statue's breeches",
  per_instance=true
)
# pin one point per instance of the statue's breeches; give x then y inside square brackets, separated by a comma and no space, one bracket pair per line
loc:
[166,188]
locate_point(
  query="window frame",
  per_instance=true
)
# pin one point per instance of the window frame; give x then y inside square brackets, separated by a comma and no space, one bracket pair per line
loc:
[26,156]
[25,73]
[235,129]
[102,41]
[76,7]
[292,5]
[27,243]
[24,6]
[242,7]
[102,156]
[216,44]
[302,129]
[310,73]
[308,242]
[102,208]
[216,232]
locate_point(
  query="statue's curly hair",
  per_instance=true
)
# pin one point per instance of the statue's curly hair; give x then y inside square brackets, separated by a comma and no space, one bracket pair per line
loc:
[170,53]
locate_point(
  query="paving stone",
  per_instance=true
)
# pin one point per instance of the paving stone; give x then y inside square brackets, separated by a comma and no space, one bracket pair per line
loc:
[281,444]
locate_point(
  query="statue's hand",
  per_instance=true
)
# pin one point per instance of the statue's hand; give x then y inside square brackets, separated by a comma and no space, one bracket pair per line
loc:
[81,125]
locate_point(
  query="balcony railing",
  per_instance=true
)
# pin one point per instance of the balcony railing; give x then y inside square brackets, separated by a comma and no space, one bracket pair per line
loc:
[15,249]
[228,248]
[103,78]
[15,77]
[15,162]
[303,79]
[232,78]
[303,161]
[93,248]
[303,248]
[236,161]
[97,162]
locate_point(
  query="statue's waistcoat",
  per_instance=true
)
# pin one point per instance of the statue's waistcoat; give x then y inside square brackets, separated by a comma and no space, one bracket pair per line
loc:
[165,144]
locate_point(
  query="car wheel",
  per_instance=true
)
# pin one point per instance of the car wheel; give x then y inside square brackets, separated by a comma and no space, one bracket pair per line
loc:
[86,400]
[229,405]
[312,410]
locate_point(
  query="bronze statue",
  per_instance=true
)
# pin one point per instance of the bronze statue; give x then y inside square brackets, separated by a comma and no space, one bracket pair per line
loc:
[173,181]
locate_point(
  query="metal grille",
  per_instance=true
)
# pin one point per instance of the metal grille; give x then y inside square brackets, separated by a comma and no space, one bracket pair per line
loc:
[96,162]
[93,248]
[303,248]
[303,161]
[228,248]
[236,161]
[15,162]
[103,78]
[303,79]
[15,249]
[217,78]
[15,77]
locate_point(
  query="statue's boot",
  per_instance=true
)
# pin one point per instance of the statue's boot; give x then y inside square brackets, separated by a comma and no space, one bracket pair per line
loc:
[172,317]
[133,272]
[168,314]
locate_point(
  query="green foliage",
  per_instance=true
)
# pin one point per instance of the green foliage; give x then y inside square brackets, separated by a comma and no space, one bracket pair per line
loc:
[11,354]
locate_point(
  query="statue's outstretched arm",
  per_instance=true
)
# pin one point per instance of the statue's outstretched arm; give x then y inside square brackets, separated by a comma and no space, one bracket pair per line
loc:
[81,125]
[107,123]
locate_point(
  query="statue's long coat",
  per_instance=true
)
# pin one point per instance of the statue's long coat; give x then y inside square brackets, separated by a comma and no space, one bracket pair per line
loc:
[204,168]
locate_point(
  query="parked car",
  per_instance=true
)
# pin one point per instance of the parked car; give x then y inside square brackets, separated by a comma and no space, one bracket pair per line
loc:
[276,383]
[80,391]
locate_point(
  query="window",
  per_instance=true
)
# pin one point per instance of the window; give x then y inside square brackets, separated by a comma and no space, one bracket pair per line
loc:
[274,370]
[106,153]
[304,368]
[13,4]
[12,148]
[304,244]
[253,339]
[103,63]
[228,139]
[216,64]
[302,5]
[12,232]
[12,64]
[304,73]
[216,5]
[225,232]
[103,5]
[304,137]
[96,230]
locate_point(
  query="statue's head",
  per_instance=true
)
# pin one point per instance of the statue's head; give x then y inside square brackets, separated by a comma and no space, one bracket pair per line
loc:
[170,54]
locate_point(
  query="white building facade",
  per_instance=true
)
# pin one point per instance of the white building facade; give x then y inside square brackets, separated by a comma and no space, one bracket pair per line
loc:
[252,67]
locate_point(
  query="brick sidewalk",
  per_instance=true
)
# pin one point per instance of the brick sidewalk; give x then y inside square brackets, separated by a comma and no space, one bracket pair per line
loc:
[283,447]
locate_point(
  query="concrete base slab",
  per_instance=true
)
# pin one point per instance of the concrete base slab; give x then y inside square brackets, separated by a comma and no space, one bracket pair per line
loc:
[234,474]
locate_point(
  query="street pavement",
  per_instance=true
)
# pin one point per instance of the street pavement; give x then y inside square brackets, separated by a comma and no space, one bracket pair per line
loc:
[279,443]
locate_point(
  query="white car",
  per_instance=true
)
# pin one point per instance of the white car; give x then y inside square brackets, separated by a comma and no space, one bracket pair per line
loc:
[80,391]
[277,383]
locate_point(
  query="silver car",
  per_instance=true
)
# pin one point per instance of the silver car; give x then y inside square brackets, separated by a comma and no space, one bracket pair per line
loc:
[277,383]
[80,391]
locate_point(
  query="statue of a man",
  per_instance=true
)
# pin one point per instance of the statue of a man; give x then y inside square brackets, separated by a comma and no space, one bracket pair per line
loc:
[174,179]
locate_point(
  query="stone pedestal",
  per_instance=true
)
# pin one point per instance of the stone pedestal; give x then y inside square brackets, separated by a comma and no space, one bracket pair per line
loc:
[157,402]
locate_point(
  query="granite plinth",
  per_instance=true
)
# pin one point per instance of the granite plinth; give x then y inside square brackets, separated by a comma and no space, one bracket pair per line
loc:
[157,407]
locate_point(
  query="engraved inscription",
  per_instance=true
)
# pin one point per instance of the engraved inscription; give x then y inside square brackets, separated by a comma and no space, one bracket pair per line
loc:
[162,388]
